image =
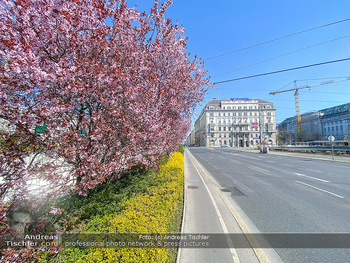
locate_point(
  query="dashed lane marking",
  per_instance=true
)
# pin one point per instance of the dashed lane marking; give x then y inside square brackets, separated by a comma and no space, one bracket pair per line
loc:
[320,189]
[314,178]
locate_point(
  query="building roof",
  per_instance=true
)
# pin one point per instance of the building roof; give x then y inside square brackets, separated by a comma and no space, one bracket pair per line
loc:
[288,120]
[325,112]
[336,110]
[216,101]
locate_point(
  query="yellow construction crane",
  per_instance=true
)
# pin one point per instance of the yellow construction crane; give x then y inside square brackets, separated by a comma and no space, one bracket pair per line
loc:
[296,95]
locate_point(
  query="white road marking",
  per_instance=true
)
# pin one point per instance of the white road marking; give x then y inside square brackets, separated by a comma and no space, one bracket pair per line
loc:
[312,170]
[287,165]
[321,189]
[260,169]
[253,158]
[325,181]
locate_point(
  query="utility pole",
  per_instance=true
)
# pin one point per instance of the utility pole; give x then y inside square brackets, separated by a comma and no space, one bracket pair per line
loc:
[297,108]
[260,129]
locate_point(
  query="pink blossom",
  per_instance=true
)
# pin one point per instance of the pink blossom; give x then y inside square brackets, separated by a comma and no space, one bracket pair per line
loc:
[55,211]
[112,96]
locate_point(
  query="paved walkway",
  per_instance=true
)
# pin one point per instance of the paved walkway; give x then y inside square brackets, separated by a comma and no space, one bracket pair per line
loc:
[208,211]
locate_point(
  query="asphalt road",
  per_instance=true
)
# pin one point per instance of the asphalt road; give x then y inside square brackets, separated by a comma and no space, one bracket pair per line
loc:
[280,194]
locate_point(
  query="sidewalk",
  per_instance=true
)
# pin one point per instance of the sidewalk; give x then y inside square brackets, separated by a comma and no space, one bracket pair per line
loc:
[208,211]
[313,156]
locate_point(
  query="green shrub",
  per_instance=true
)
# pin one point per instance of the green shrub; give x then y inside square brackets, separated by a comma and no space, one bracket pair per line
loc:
[139,202]
[181,149]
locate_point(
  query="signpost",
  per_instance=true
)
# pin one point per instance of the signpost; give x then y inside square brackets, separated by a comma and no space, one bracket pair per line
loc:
[332,139]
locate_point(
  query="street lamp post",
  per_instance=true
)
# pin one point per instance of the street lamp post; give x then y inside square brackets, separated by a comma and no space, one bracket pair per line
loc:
[260,129]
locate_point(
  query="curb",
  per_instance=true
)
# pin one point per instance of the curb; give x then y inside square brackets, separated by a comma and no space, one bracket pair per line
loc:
[183,213]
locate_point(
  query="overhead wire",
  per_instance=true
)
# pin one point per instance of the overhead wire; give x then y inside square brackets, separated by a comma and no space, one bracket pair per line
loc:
[276,39]
[292,52]
[283,70]
[247,89]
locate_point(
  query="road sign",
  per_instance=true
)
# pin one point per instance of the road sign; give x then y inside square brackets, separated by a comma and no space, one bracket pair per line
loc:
[331,138]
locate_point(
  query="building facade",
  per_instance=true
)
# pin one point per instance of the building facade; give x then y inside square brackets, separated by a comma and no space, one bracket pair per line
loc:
[311,128]
[236,122]
[319,125]
[336,122]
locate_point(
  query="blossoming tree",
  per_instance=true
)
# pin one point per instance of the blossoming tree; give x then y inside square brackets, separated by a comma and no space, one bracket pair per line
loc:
[114,86]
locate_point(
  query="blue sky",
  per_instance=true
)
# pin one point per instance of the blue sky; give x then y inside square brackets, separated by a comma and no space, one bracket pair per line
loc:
[217,27]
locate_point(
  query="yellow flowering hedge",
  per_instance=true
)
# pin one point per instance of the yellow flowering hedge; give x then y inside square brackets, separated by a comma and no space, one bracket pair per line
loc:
[150,212]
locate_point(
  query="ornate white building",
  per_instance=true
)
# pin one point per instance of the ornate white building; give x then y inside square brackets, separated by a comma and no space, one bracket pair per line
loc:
[236,122]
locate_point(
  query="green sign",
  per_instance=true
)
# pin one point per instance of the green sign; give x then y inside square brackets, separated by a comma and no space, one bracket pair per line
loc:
[40,129]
